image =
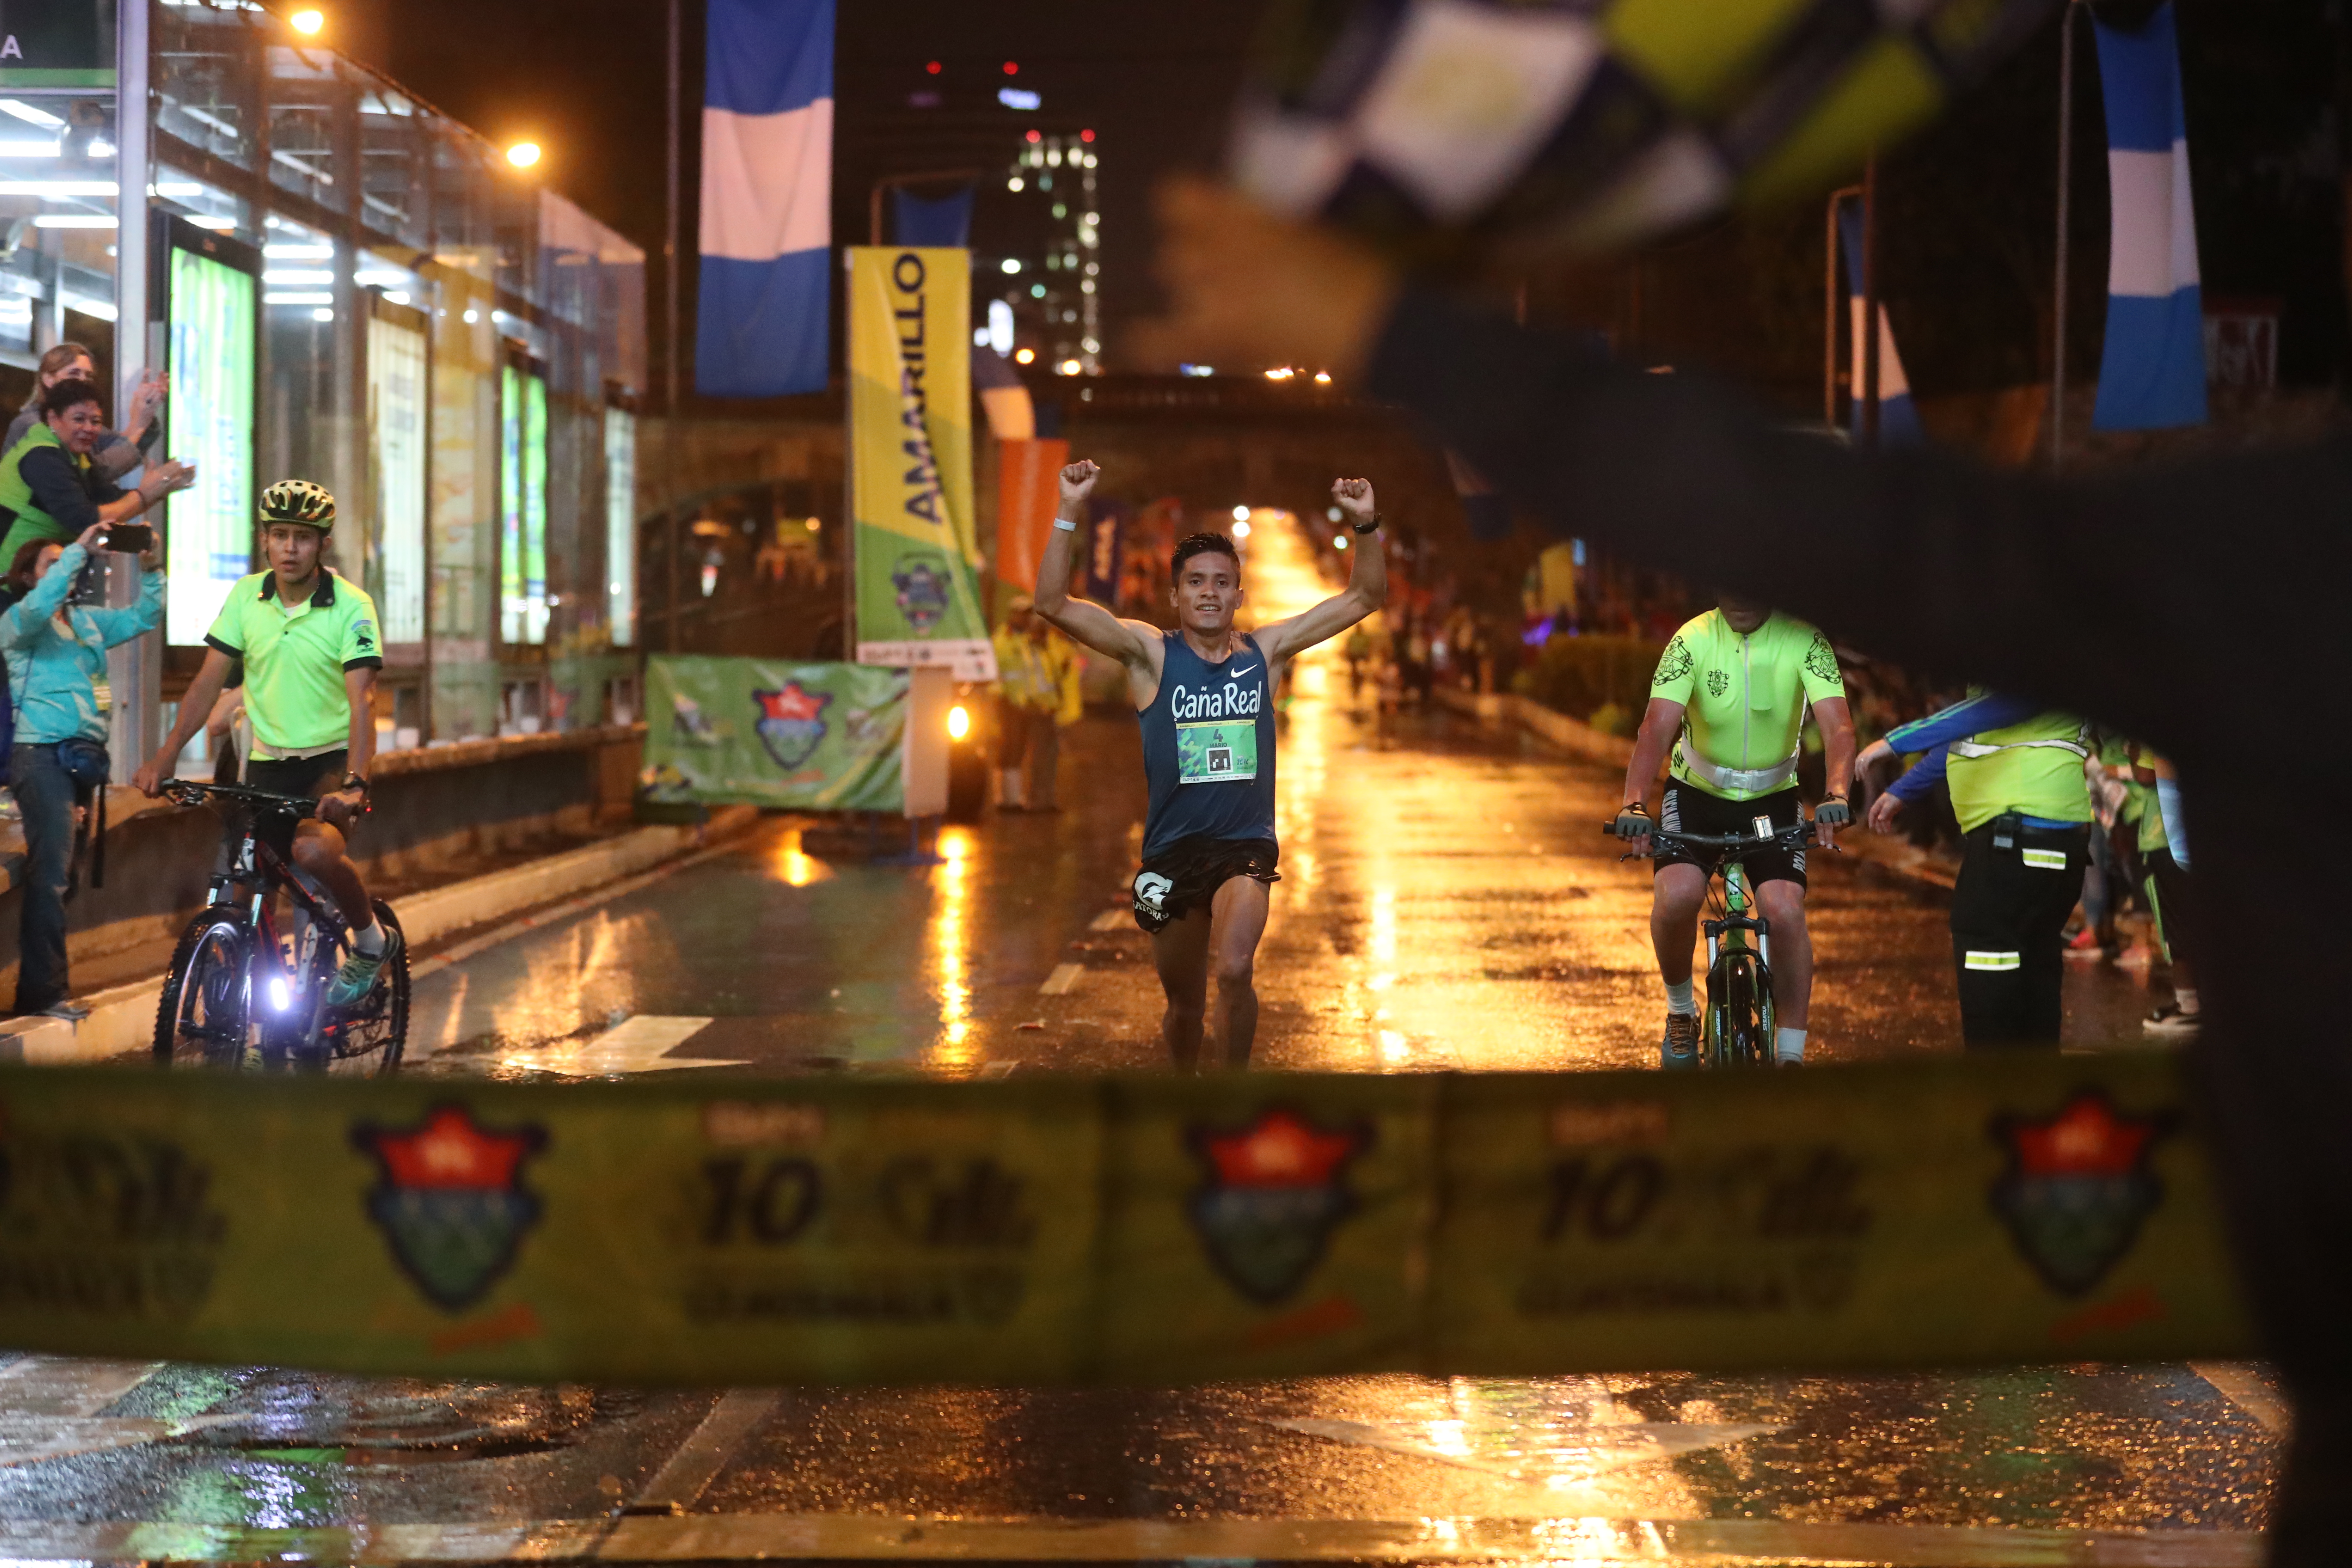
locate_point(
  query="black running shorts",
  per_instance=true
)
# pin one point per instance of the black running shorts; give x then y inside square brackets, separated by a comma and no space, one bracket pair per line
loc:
[1690,809]
[1188,873]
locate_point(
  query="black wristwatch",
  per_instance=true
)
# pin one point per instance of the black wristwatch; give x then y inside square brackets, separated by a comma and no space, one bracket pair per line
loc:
[1368,527]
[353,780]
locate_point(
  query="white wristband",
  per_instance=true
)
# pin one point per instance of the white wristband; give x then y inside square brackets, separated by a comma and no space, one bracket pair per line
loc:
[1064,525]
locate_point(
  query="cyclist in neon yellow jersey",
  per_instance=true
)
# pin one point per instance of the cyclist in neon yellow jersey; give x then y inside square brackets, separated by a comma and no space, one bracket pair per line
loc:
[1730,695]
[308,640]
[2015,771]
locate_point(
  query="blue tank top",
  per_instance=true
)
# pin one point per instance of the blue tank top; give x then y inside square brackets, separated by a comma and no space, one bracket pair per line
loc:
[1208,747]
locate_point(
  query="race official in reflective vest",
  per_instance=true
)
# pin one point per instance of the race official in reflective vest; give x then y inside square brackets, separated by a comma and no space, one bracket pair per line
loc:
[2015,772]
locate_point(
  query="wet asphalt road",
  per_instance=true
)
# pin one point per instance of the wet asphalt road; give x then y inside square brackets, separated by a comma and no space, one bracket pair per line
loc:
[1447,903]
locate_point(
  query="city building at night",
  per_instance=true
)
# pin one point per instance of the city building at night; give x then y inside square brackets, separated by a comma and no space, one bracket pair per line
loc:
[348,287]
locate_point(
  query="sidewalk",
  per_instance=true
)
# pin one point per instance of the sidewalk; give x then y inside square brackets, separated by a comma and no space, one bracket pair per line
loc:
[122,1015]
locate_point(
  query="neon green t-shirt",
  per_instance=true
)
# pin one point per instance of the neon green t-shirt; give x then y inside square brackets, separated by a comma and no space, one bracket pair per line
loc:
[294,664]
[1744,700]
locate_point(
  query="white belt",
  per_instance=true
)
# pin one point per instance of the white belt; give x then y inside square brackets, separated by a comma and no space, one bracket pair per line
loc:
[1971,750]
[1755,781]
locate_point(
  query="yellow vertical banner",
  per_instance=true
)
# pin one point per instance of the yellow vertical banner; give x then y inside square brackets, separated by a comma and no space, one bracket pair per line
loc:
[911,460]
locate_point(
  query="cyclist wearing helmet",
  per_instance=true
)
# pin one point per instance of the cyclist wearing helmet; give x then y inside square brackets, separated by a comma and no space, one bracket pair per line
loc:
[309,642]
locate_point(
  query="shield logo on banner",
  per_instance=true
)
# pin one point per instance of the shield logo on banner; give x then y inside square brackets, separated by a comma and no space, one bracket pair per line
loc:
[451,1201]
[792,722]
[922,591]
[2077,1186]
[1276,1190]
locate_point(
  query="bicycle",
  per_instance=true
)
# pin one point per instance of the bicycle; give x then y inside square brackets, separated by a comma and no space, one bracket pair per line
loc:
[1738,1024]
[245,994]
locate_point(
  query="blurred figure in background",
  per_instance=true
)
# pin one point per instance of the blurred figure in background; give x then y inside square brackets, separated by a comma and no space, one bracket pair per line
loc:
[1038,693]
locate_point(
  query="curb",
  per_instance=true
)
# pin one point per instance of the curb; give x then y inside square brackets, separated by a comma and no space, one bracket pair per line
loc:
[123,1017]
[1573,736]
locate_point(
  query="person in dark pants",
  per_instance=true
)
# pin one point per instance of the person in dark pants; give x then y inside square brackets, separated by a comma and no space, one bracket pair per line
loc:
[2015,772]
[56,681]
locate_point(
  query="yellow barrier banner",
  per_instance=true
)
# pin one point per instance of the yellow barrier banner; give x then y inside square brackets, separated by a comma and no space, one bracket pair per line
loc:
[917,550]
[1129,1229]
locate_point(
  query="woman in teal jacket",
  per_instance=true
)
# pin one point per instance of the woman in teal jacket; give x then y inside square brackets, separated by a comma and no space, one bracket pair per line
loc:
[56,682]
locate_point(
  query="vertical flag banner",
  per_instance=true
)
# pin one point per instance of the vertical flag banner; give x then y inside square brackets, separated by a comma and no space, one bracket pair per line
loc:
[2152,373]
[911,460]
[1898,418]
[762,326]
[1028,486]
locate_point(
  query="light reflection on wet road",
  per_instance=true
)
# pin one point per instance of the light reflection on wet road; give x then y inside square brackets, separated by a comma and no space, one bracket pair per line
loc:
[1447,903]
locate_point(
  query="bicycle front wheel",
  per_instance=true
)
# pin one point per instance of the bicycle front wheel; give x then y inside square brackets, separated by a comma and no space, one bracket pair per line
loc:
[366,1041]
[1739,1012]
[205,1015]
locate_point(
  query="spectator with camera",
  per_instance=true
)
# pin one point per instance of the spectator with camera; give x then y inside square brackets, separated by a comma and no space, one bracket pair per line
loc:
[55,652]
[51,490]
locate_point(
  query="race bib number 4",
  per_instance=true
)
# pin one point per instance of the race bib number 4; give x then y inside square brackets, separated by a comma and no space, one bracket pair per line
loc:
[1222,752]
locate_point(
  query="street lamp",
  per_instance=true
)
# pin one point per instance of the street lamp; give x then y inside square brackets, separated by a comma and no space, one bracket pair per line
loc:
[307,22]
[523,154]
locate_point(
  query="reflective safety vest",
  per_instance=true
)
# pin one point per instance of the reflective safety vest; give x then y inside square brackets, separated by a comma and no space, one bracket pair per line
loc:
[24,517]
[2033,768]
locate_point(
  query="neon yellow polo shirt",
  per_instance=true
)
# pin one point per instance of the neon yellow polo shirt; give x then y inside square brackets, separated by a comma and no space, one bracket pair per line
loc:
[1744,700]
[294,664]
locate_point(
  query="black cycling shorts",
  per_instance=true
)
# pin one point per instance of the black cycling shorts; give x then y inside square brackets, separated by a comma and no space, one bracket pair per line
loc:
[1187,874]
[1689,809]
[313,776]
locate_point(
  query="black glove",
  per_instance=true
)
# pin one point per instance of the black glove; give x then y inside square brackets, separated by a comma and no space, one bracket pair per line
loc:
[1632,822]
[1833,813]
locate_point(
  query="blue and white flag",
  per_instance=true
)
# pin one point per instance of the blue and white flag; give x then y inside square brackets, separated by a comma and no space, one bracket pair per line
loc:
[1898,417]
[762,328]
[2152,375]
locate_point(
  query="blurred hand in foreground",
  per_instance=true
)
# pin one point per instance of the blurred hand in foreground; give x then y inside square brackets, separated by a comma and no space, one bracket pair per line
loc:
[1249,291]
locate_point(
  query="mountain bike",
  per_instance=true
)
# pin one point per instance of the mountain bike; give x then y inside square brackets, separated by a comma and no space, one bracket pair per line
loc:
[248,991]
[1737,1025]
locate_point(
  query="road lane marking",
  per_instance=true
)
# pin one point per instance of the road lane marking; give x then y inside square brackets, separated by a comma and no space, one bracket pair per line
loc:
[698,1461]
[641,1044]
[1112,920]
[68,1385]
[2241,1386]
[1567,1455]
[49,1408]
[1064,979]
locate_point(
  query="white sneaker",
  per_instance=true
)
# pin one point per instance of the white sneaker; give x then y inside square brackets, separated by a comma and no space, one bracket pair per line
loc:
[2168,1022]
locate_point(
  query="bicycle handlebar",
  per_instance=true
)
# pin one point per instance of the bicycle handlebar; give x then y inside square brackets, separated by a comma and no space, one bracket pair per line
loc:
[188,792]
[1788,838]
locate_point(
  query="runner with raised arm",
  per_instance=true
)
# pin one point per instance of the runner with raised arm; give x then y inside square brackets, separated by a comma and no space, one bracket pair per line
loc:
[1204,693]
[309,642]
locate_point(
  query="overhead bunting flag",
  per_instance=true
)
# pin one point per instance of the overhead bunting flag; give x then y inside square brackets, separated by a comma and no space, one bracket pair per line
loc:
[931,220]
[762,326]
[2152,373]
[910,346]
[1898,420]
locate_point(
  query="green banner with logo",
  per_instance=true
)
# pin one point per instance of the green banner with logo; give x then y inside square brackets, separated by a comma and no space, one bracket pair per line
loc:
[754,732]
[1132,1229]
[911,460]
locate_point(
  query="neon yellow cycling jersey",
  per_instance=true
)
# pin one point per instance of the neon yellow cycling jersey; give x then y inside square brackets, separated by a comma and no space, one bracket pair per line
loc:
[1744,700]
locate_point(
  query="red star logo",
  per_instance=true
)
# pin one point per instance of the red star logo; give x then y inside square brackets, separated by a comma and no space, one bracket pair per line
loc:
[449,1150]
[2085,1139]
[793,702]
[1282,1149]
